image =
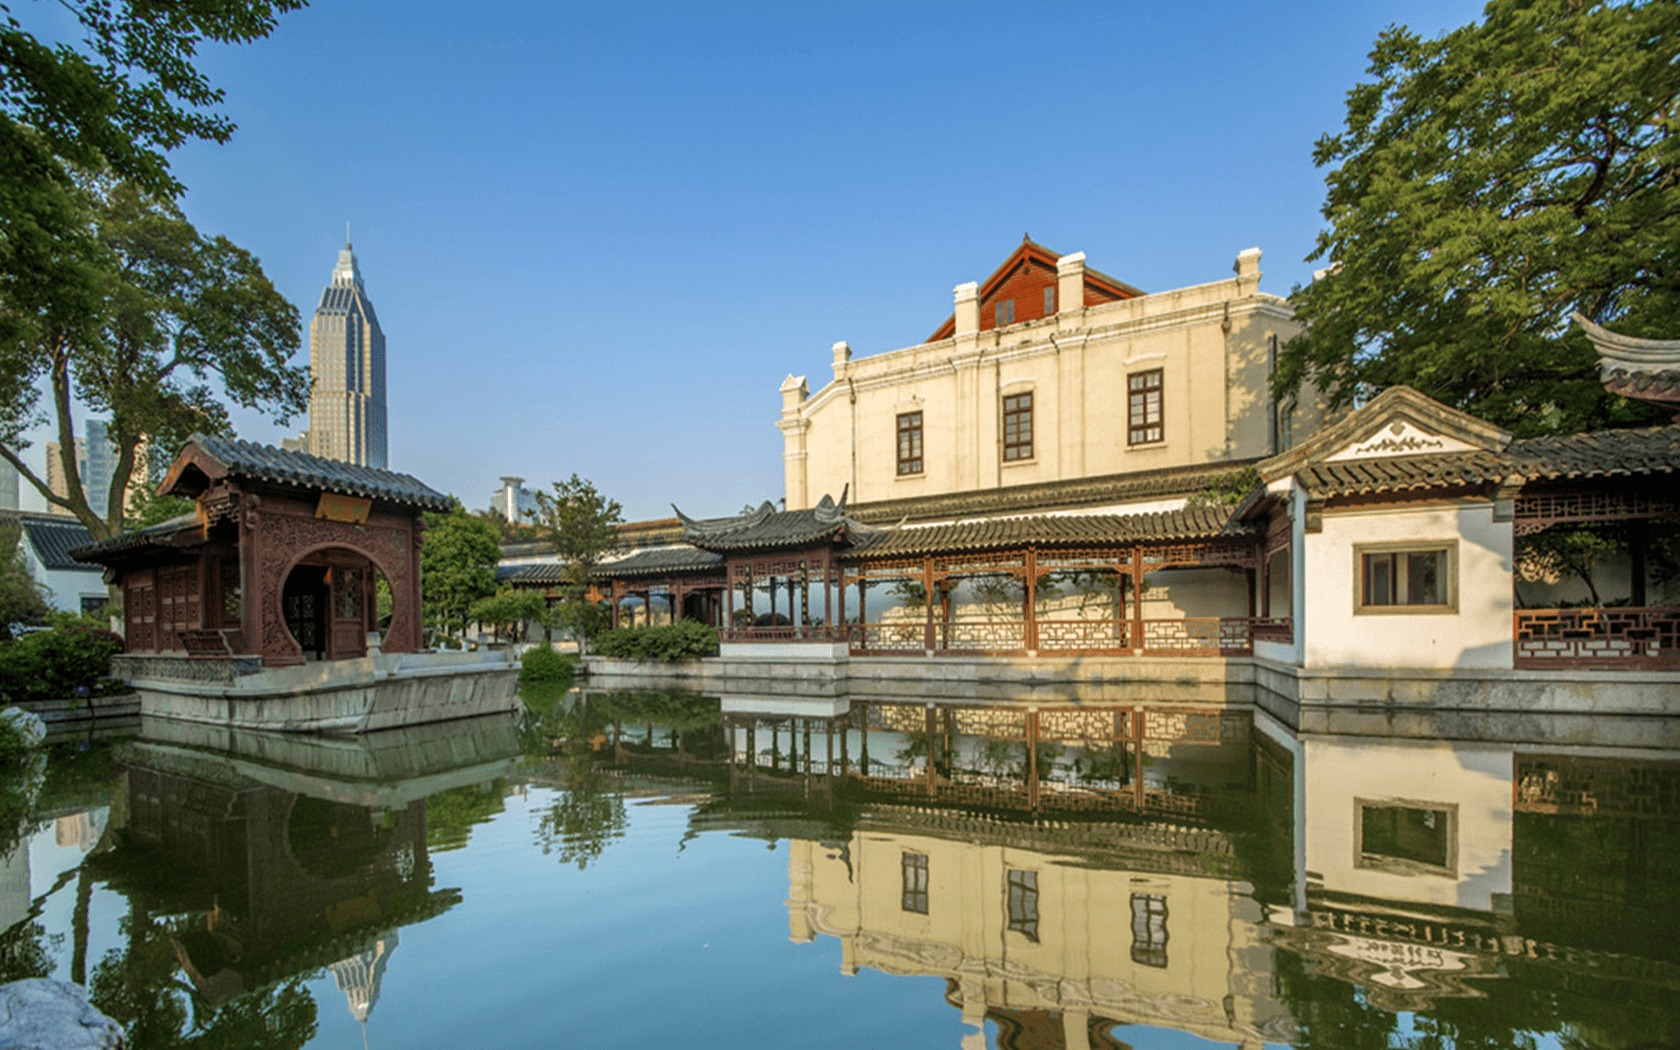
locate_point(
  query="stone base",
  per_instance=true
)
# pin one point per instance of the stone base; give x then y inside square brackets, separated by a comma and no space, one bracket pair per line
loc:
[340,696]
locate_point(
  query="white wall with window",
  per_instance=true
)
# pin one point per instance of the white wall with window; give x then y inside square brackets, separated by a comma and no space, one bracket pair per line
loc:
[1424,587]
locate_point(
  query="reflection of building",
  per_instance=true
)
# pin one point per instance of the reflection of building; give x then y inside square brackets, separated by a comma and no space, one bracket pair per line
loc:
[81,828]
[359,975]
[347,371]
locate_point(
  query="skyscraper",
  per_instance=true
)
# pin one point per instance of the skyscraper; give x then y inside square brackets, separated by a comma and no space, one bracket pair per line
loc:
[96,465]
[347,371]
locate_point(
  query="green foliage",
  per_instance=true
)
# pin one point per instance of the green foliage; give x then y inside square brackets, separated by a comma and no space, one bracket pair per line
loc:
[451,815]
[1487,184]
[684,712]
[22,599]
[50,665]
[683,640]
[509,609]
[543,664]
[580,525]
[1225,491]
[147,508]
[457,567]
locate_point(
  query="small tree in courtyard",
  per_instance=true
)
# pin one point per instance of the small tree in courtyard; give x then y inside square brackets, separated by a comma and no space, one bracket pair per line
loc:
[457,567]
[581,525]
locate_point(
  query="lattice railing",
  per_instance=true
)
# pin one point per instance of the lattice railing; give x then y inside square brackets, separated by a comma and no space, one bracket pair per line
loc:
[1627,639]
[904,637]
[981,636]
[1199,636]
[1274,629]
[1084,636]
[782,633]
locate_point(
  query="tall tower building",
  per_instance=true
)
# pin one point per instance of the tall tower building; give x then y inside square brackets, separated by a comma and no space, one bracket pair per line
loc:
[347,371]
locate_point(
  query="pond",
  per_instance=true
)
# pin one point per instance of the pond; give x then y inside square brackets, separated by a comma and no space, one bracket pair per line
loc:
[630,869]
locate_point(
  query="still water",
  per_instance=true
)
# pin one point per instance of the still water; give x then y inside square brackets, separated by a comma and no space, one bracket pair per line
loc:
[635,869]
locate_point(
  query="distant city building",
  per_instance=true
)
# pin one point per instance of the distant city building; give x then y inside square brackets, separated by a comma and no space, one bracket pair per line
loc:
[96,464]
[513,501]
[347,373]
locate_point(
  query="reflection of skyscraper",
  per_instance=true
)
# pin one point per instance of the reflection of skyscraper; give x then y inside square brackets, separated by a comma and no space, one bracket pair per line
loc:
[358,976]
[347,371]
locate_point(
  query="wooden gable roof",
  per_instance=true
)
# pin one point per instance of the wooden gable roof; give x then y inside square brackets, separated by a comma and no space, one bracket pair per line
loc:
[1030,268]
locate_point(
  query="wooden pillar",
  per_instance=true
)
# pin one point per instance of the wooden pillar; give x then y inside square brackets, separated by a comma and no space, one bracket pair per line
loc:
[1637,538]
[616,594]
[1137,600]
[828,746]
[828,595]
[1137,763]
[1029,628]
[863,737]
[752,743]
[1253,604]
[805,593]
[845,747]
[927,602]
[929,725]
[1032,758]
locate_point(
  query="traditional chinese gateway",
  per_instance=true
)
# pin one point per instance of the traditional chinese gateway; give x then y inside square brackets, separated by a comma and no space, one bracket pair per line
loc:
[261,608]
[1023,500]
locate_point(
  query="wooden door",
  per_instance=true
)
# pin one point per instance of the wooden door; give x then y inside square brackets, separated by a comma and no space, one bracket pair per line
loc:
[347,633]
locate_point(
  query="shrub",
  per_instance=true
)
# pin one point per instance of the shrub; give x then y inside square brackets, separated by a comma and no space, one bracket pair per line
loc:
[50,665]
[684,640]
[543,664]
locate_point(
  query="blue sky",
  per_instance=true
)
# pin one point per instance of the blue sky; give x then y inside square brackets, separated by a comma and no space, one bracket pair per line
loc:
[599,236]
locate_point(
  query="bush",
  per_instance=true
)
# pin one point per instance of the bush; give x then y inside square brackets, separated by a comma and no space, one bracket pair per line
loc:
[543,664]
[51,665]
[684,640]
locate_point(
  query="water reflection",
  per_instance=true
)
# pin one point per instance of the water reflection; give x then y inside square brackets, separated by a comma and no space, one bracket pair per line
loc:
[1072,874]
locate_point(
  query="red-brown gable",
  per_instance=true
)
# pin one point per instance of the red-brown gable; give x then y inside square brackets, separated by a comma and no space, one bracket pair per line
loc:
[1021,282]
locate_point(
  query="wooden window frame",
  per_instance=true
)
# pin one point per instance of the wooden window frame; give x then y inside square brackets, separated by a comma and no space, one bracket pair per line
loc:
[1016,448]
[1138,431]
[1000,309]
[1020,904]
[910,425]
[913,874]
[1146,950]
[1049,299]
[1408,547]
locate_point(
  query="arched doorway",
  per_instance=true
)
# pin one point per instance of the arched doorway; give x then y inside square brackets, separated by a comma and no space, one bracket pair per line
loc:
[330,602]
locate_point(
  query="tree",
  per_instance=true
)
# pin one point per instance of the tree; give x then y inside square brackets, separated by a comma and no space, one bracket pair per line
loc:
[510,609]
[177,312]
[457,567]
[1488,184]
[581,525]
[21,600]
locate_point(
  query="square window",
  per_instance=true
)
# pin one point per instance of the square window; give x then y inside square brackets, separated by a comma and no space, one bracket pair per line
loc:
[909,443]
[1017,427]
[1406,578]
[914,868]
[1143,408]
[1149,929]
[1407,838]
[1023,903]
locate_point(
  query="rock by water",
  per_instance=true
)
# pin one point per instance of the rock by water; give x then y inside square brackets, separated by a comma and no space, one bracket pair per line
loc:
[43,1014]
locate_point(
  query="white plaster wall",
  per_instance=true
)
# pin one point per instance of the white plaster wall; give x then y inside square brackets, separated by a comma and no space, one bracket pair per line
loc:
[1179,593]
[65,587]
[1476,635]
[1475,779]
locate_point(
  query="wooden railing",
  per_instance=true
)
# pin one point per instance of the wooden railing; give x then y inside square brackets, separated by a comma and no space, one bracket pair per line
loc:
[1610,639]
[783,633]
[1194,636]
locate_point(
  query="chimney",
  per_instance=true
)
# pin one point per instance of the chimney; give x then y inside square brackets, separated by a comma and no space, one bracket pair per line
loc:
[1070,283]
[968,308]
[794,393]
[1247,269]
[842,358]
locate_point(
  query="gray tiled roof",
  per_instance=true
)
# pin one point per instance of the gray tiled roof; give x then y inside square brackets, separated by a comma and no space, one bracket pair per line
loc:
[53,537]
[539,574]
[768,528]
[151,536]
[1564,457]
[1047,530]
[659,561]
[247,459]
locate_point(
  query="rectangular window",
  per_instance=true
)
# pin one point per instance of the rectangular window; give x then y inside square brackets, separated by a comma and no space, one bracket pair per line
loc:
[1023,903]
[1003,312]
[909,443]
[1406,578]
[915,870]
[1149,929]
[1017,427]
[1407,837]
[1049,300]
[1143,407]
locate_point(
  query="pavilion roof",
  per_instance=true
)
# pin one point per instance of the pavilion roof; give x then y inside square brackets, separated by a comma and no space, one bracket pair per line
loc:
[659,561]
[537,574]
[767,528]
[1050,530]
[251,461]
[163,534]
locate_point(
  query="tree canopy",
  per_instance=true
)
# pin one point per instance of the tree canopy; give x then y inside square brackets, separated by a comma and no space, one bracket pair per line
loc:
[580,524]
[1488,184]
[457,567]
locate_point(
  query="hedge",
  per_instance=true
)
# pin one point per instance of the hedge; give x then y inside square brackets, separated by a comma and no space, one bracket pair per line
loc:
[684,640]
[51,665]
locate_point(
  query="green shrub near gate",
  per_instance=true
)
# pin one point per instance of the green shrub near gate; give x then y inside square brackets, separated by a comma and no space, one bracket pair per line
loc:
[684,640]
[543,664]
[51,665]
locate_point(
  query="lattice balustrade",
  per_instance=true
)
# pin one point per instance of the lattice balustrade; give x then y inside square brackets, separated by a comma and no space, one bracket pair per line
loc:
[905,637]
[782,633]
[982,636]
[1536,511]
[1199,636]
[1084,636]
[1275,629]
[1079,725]
[1630,638]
